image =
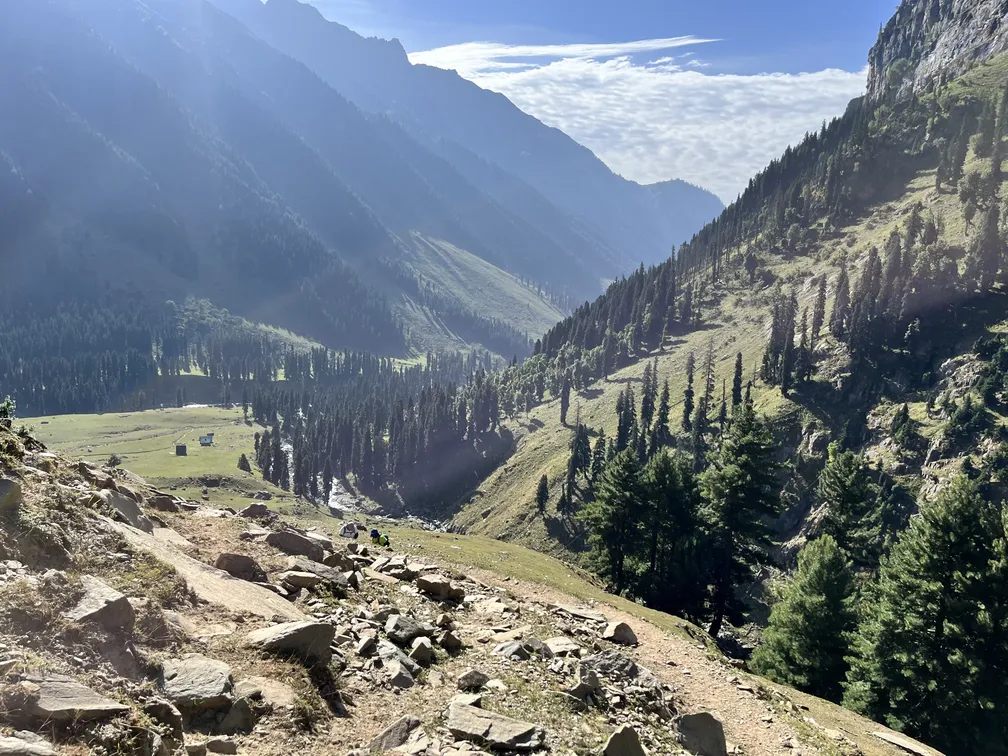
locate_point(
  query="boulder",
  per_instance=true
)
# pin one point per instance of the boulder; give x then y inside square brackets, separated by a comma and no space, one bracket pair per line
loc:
[619,632]
[164,503]
[241,566]
[336,581]
[295,579]
[562,646]
[126,508]
[421,651]
[493,730]
[339,560]
[25,744]
[196,683]
[221,744]
[440,587]
[402,629]
[395,735]
[307,640]
[62,699]
[472,680]
[255,511]
[322,540]
[290,542]
[580,613]
[102,605]
[513,650]
[398,675]
[468,699]
[624,742]
[449,641]
[10,496]
[240,718]
[703,734]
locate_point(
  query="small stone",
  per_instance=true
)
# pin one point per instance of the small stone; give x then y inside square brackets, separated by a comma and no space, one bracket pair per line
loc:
[472,680]
[440,587]
[367,646]
[421,651]
[449,641]
[298,580]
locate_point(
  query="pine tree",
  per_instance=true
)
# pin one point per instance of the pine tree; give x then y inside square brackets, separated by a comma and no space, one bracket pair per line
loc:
[808,637]
[687,413]
[327,480]
[736,391]
[542,494]
[243,464]
[741,490]
[851,500]
[661,427]
[841,302]
[613,518]
[931,654]
[598,457]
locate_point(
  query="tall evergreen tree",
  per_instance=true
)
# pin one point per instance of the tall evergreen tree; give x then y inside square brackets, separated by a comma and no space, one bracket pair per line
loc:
[808,637]
[687,414]
[613,518]
[542,494]
[565,398]
[841,302]
[736,390]
[741,490]
[853,511]
[931,654]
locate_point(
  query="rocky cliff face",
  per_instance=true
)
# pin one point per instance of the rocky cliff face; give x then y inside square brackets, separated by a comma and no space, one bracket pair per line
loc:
[936,38]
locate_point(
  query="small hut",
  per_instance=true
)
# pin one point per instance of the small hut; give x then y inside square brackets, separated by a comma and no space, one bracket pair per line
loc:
[180,450]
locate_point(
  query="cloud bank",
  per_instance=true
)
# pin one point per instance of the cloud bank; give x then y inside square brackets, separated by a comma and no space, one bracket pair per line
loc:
[652,117]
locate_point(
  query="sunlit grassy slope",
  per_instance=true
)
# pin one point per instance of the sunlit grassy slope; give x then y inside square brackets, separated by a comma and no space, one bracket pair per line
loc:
[737,320]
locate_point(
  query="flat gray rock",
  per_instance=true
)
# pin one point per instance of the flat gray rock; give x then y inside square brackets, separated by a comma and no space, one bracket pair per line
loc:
[308,641]
[562,646]
[513,650]
[337,581]
[389,652]
[395,735]
[196,683]
[296,544]
[421,651]
[62,699]
[440,587]
[581,613]
[102,605]
[703,734]
[240,718]
[128,509]
[398,675]
[493,730]
[612,664]
[27,745]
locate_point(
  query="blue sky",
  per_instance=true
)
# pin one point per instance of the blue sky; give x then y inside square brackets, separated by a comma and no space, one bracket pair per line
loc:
[706,91]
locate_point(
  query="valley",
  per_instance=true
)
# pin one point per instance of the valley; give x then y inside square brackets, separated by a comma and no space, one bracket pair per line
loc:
[631,472]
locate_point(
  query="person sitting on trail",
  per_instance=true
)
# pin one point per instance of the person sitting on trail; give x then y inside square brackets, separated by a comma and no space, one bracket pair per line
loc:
[374,536]
[384,540]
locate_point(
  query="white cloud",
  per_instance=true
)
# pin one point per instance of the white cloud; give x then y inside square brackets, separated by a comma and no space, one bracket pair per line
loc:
[654,121]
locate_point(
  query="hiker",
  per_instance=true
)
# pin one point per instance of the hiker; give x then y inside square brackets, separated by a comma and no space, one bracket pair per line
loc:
[349,530]
[374,536]
[384,540]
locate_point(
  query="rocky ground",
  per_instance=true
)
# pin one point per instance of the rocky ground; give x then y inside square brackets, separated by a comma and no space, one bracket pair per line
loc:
[135,622]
